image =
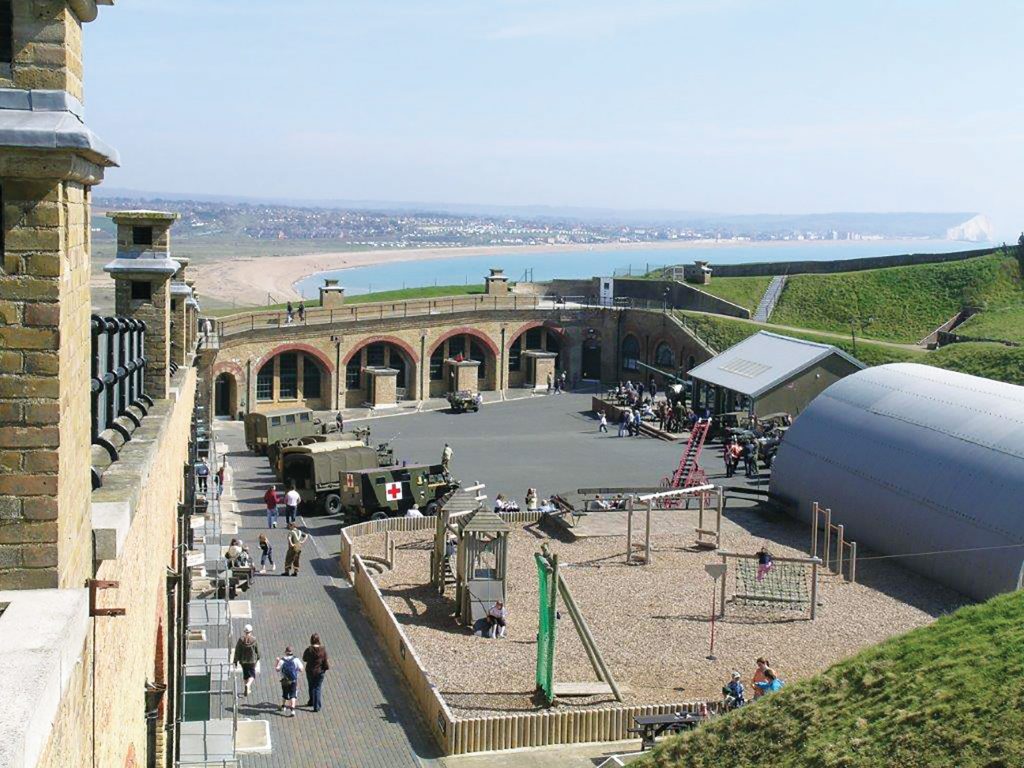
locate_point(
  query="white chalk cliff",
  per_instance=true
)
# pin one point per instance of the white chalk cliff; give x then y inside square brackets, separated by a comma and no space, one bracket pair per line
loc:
[978,229]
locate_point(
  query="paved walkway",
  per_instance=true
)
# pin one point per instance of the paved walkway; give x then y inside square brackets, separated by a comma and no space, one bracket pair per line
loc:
[368,718]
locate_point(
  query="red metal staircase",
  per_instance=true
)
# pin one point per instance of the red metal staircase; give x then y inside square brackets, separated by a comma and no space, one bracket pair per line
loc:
[689,471]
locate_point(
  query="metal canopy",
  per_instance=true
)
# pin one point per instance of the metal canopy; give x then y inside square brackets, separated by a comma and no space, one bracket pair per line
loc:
[763,361]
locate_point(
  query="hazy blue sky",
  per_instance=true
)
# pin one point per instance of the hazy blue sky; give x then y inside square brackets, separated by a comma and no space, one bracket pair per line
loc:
[718,106]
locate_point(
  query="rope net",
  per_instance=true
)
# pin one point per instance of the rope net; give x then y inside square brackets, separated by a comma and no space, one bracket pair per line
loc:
[784,586]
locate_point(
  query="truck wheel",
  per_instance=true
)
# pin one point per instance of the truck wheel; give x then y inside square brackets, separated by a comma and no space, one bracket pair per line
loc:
[332,504]
[380,514]
[430,509]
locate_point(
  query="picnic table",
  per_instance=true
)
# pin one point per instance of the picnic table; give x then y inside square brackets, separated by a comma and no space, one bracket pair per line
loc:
[650,727]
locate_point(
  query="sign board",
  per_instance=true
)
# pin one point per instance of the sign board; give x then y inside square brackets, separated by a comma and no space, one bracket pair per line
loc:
[715,570]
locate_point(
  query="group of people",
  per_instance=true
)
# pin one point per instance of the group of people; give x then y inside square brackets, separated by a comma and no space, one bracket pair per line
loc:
[764,681]
[202,470]
[503,504]
[556,383]
[290,312]
[274,499]
[734,451]
[314,662]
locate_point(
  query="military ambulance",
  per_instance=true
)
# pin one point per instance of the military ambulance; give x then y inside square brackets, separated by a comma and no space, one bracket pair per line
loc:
[390,491]
[315,469]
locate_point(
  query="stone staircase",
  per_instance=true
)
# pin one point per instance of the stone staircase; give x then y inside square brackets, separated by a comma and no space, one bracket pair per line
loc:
[769,299]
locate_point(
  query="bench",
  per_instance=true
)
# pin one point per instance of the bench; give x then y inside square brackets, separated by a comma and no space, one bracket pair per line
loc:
[650,727]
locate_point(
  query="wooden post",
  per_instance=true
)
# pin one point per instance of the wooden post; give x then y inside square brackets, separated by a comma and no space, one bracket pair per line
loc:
[828,534]
[718,516]
[700,518]
[629,531]
[853,562]
[814,529]
[839,550]
[647,536]
[814,590]
[588,639]
[721,605]
[387,549]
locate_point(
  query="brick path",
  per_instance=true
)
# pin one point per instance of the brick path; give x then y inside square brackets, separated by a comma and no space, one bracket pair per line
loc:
[368,718]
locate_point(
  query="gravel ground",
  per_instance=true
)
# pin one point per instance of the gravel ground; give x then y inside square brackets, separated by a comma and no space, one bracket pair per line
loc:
[650,622]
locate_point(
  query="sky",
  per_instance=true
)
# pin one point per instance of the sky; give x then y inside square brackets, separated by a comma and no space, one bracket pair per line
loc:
[705,105]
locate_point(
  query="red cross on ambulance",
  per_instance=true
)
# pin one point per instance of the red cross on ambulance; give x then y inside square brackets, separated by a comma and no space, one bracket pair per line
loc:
[393,491]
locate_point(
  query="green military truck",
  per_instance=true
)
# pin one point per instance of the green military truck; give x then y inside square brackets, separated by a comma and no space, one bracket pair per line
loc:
[389,491]
[264,429]
[314,470]
[274,450]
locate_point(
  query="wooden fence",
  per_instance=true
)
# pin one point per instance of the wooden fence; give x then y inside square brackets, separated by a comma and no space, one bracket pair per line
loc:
[458,736]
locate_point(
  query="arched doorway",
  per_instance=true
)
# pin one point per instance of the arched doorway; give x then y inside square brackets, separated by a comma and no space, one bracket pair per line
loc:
[378,354]
[225,396]
[539,338]
[590,362]
[467,345]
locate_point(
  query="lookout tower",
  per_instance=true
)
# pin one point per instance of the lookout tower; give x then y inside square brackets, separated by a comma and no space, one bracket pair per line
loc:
[332,295]
[142,275]
[497,282]
[481,564]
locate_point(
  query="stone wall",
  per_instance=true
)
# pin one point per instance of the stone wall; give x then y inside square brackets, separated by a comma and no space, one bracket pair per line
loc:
[679,296]
[48,48]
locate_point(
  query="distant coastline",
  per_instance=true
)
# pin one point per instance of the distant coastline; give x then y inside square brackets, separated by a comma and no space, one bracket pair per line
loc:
[249,281]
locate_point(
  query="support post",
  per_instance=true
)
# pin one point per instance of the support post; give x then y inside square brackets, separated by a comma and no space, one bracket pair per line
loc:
[725,576]
[814,590]
[814,529]
[718,516]
[839,550]
[647,536]
[588,639]
[853,562]
[629,531]
[828,535]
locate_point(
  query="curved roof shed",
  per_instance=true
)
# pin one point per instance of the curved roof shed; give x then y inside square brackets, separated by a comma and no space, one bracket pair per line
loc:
[916,459]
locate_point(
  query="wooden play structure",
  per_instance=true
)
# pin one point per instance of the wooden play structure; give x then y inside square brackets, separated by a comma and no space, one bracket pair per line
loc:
[845,551]
[552,584]
[790,585]
[707,538]
[442,562]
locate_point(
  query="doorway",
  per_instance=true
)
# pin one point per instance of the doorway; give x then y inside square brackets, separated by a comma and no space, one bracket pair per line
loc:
[224,395]
[590,363]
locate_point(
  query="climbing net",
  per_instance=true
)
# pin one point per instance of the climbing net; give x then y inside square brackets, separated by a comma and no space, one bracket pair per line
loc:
[785,586]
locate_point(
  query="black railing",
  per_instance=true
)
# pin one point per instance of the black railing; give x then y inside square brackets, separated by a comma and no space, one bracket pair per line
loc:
[118,369]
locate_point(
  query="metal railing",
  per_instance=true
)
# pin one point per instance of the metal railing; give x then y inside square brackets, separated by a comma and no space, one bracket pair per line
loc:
[118,369]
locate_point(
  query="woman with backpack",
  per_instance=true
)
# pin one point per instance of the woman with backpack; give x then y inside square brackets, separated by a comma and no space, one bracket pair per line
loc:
[289,667]
[315,658]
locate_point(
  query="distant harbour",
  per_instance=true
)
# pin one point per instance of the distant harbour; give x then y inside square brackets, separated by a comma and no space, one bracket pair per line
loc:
[540,265]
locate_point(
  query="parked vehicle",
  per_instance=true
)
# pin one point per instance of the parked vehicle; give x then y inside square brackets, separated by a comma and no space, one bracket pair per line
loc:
[463,401]
[390,491]
[314,470]
[264,429]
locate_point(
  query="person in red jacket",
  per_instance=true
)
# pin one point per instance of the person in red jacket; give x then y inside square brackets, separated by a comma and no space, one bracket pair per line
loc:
[271,498]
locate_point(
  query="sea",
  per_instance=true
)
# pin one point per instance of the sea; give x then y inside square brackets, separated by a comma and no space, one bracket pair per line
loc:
[606,262]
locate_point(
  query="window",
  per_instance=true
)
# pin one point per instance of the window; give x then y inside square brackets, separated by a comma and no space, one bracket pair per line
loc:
[515,360]
[142,235]
[437,364]
[353,373]
[456,347]
[375,354]
[663,356]
[305,415]
[265,382]
[275,421]
[310,378]
[630,354]
[534,338]
[174,305]
[6,31]
[289,418]
[142,290]
[398,363]
[288,376]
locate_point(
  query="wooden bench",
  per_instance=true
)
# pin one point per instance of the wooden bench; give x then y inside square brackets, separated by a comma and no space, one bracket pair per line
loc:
[650,727]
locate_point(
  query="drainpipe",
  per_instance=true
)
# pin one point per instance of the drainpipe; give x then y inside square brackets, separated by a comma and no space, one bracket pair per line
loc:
[424,364]
[502,365]
[337,372]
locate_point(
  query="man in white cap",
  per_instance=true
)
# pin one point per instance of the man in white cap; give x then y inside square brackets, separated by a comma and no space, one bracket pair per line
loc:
[247,656]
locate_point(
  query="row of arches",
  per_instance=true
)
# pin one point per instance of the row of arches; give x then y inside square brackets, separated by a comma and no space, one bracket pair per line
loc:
[302,375]
[665,356]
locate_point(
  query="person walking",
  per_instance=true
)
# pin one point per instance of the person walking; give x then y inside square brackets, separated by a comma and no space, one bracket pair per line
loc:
[340,421]
[315,659]
[289,667]
[603,426]
[219,477]
[551,380]
[562,379]
[266,553]
[272,498]
[446,458]
[202,475]
[247,656]
[296,539]
[623,422]
[302,311]
[291,504]
[289,311]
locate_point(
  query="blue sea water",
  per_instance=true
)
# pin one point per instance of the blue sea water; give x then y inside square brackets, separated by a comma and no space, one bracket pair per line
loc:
[556,263]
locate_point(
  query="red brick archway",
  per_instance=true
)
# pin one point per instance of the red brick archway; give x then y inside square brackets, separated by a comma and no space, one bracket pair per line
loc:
[546,324]
[292,347]
[404,346]
[466,331]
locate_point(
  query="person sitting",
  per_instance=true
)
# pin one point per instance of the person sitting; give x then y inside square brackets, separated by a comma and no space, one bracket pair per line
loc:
[244,559]
[496,620]
[733,692]
[771,683]
[499,503]
[548,507]
[413,511]
[233,551]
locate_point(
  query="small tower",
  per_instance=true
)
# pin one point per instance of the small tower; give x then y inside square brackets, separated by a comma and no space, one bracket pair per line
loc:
[332,295]
[497,282]
[181,315]
[482,564]
[142,274]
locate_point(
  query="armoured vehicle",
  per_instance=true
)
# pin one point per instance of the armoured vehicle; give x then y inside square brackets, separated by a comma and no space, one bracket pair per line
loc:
[274,450]
[264,429]
[315,469]
[389,491]
[463,401]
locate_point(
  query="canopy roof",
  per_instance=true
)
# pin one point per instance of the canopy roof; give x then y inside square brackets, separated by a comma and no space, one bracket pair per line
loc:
[763,361]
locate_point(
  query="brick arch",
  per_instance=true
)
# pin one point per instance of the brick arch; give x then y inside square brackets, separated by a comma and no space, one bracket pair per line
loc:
[295,347]
[228,367]
[549,325]
[403,345]
[676,351]
[465,330]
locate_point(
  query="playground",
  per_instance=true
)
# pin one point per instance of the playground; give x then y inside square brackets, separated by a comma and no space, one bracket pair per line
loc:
[650,622]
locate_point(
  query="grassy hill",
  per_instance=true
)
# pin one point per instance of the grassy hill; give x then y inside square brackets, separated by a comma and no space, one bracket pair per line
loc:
[950,695]
[744,291]
[1005,323]
[899,303]
[993,361]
